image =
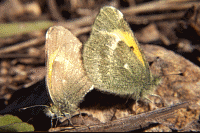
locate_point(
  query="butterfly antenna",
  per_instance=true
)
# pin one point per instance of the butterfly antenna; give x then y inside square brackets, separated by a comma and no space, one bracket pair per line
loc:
[32,107]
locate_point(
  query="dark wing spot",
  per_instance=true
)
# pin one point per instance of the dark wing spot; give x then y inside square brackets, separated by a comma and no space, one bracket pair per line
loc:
[132,48]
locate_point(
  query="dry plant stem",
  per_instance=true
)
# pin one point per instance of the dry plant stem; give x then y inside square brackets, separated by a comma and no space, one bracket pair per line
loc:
[133,122]
[54,11]
[81,22]
[16,55]
[23,45]
[158,6]
[9,40]
[84,12]
[149,18]
[80,31]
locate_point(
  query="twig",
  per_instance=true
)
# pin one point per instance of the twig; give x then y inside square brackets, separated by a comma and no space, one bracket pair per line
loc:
[22,45]
[132,122]
[54,11]
[80,31]
[158,6]
[17,55]
[149,18]
[81,22]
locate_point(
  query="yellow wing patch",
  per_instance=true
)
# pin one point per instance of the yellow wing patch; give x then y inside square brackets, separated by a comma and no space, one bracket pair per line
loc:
[129,40]
[50,66]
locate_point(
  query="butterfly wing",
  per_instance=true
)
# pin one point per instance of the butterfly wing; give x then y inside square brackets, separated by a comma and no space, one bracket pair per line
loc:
[66,79]
[112,56]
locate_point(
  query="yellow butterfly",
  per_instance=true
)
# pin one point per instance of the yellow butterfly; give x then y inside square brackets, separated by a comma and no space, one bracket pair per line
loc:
[113,59]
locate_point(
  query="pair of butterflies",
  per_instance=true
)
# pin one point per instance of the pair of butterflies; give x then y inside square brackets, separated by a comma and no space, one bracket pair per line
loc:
[111,60]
